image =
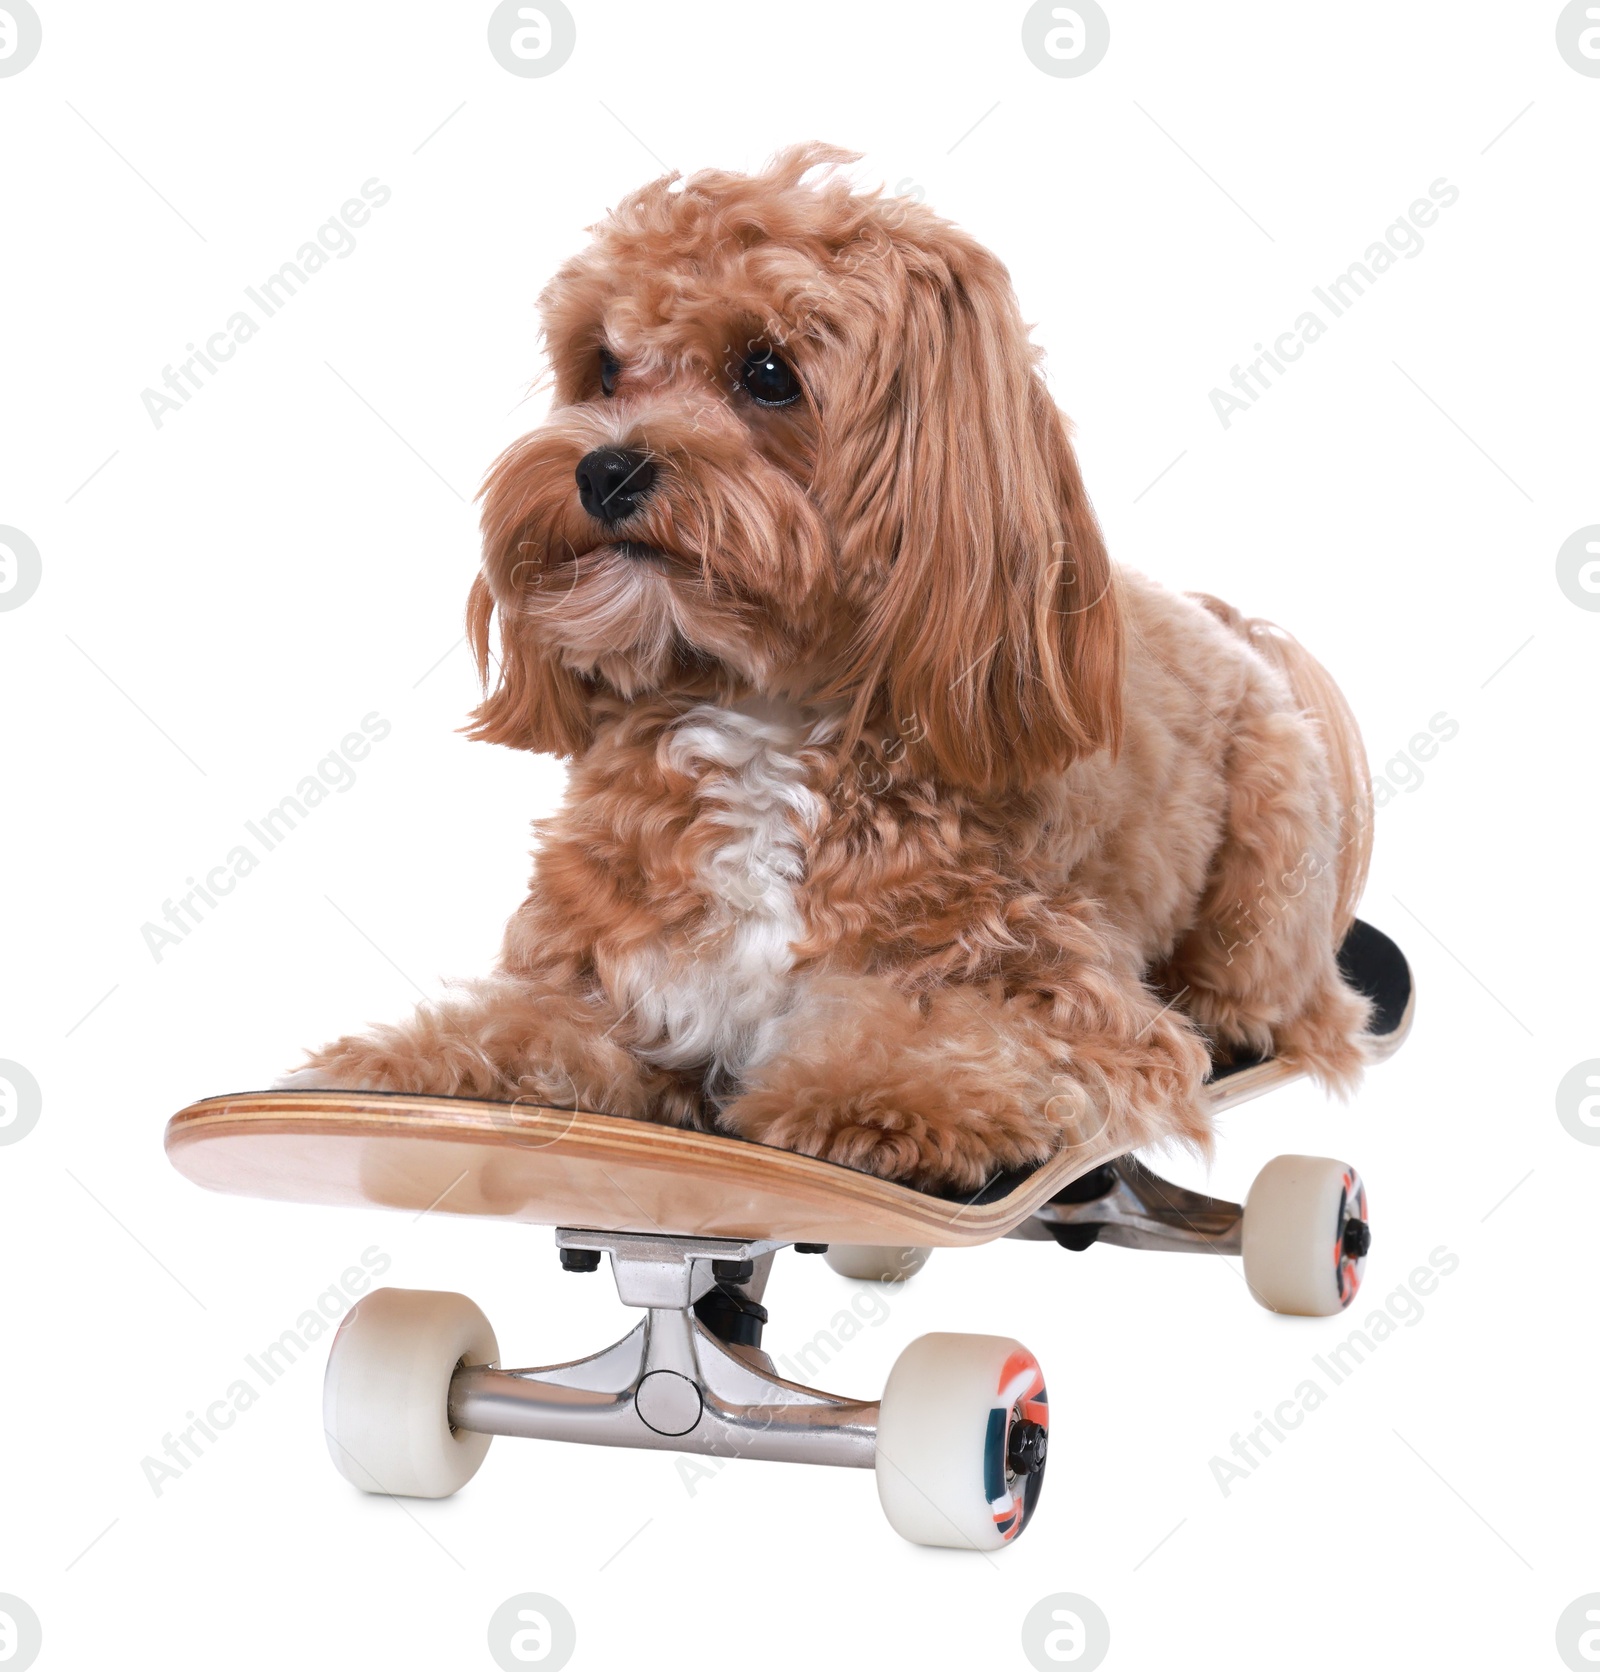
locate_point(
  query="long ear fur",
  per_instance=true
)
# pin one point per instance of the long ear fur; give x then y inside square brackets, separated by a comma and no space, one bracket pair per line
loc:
[994,639]
[534,702]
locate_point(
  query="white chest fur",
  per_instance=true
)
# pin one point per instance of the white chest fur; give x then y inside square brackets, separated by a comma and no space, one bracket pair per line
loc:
[709,998]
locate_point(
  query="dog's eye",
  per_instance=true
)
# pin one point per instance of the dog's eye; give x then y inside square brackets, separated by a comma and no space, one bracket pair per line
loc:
[768,380]
[610,371]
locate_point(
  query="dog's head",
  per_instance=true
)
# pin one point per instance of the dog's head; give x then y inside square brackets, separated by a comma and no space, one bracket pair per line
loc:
[799,444]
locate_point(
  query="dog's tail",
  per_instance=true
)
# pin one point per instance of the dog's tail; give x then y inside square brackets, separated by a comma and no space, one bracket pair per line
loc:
[1324,702]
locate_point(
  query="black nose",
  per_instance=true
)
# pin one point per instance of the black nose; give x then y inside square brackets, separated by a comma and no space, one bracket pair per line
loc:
[613,482]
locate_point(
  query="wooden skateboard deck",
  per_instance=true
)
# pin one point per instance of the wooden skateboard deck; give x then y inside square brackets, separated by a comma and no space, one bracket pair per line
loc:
[546,1166]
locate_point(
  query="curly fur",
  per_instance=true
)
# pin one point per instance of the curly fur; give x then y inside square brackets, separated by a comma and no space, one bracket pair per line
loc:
[901,828]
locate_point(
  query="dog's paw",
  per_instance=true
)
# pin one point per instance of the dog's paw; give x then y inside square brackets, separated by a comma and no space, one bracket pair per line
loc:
[861,1133]
[424,1060]
[1143,1084]
[355,1063]
[320,1079]
[922,1136]
[1328,1038]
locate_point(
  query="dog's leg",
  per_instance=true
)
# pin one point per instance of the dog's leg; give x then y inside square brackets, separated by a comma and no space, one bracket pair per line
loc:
[508,1037]
[949,1087]
[1258,970]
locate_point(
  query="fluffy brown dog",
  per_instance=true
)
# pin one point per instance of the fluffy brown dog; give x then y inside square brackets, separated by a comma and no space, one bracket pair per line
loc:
[901,830]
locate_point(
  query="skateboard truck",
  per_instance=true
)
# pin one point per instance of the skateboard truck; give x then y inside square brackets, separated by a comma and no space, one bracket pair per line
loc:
[1124,1203]
[670,1383]
[414,1393]
[957,1443]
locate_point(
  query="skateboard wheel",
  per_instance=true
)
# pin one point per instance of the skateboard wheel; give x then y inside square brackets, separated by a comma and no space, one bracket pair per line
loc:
[386,1395]
[962,1433]
[1305,1235]
[873,1264]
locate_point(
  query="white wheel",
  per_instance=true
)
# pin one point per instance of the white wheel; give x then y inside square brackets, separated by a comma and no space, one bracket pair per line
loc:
[386,1395]
[873,1264]
[1305,1235]
[962,1432]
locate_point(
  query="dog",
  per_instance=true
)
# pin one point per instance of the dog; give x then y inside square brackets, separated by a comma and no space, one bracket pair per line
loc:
[901,829]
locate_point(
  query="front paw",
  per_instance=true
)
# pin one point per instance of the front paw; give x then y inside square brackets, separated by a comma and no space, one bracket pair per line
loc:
[1328,1038]
[320,1079]
[360,1062]
[922,1136]
[1141,1087]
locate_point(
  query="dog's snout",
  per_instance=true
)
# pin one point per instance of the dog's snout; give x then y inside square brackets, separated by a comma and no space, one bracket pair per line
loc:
[613,482]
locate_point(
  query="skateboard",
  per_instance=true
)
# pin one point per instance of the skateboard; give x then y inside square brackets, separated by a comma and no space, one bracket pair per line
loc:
[691,1221]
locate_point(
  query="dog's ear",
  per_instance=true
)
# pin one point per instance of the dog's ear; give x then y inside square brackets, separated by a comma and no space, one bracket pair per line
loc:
[989,626]
[532,701]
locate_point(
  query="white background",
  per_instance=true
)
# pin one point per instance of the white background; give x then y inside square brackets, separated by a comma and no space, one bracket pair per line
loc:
[231,593]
